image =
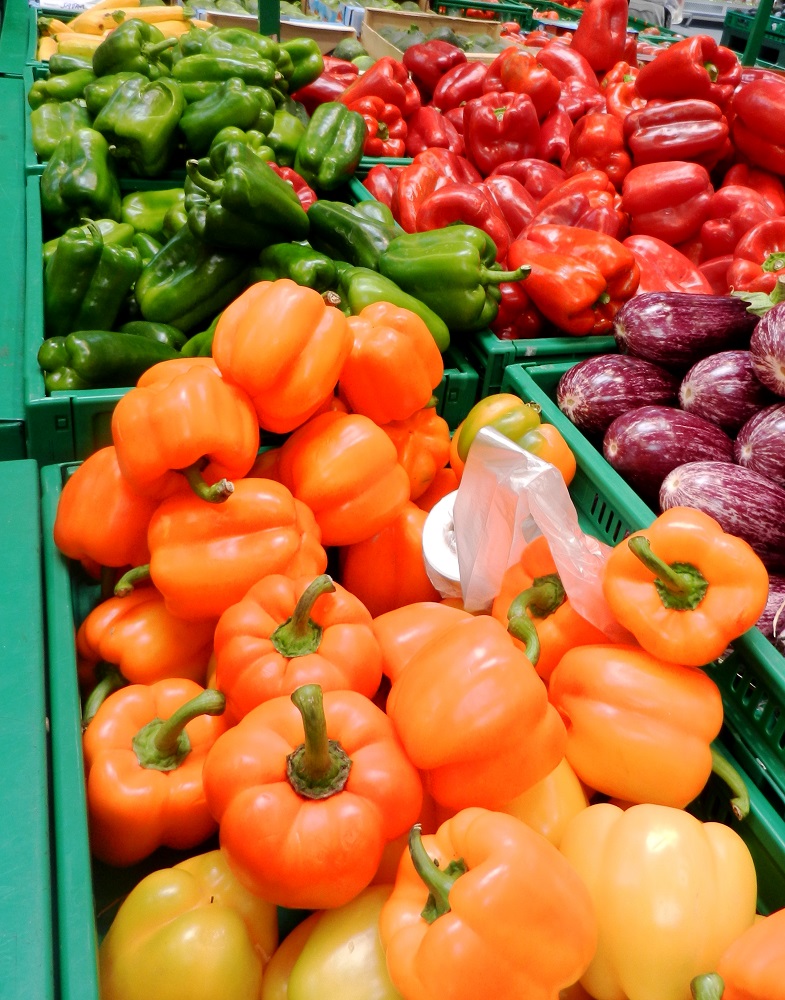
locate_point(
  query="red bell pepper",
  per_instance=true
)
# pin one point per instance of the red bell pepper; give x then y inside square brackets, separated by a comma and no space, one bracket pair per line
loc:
[454,167]
[388,79]
[324,88]
[759,258]
[762,181]
[342,69]
[564,61]
[597,143]
[667,200]
[621,98]
[537,176]
[733,211]
[518,71]
[415,183]
[695,67]
[382,181]
[588,180]
[538,38]
[427,63]
[500,126]
[621,72]
[759,124]
[460,84]
[555,132]
[518,317]
[428,128]
[690,129]
[304,192]
[455,117]
[467,204]
[387,131]
[601,35]
[587,200]
[715,271]
[665,269]
[579,99]
[512,199]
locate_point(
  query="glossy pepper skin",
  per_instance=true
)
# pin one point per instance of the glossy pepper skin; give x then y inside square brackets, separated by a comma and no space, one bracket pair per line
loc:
[690,129]
[284,136]
[231,102]
[733,212]
[51,121]
[422,442]
[518,71]
[345,233]
[283,346]
[694,67]
[386,131]
[469,205]
[331,147]
[427,63]
[650,860]
[67,87]
[236,202]
[134,46]
[564,62]
[499,126]
[144,779]
[428,128]
[98,359]
[663,268]
[667,200]
[597,143]
[68,274]
[470,883]
[463,257]
[684,587]
[388,79]
[460,84]
[763,182]
[307,62]
[324,824]
[757,127]
[80,181]
[601,36]
[301,264]
[287,632]
[197,922]
[759,258]
[750,967]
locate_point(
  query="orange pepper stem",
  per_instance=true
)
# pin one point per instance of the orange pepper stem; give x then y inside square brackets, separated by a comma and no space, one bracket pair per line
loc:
[438,881]
[681,586]
[319,767]
[300,634]
[128,581]
[112,680]
[163,744]
[489,277]
[740,803]
[709,986]
[545,596]
[217,493]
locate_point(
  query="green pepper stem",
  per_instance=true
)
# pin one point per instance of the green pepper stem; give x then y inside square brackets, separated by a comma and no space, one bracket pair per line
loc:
[300,635]
[382,132]
[128,581]
[712,70]
[774,262]
[740,802]
[491,277]
[319,767]
[151,49]
[709,986]
[217,493]
[522,628]
[112,680]
[438,881]
[212,187]
[545,596]
[163,744]
[681,586]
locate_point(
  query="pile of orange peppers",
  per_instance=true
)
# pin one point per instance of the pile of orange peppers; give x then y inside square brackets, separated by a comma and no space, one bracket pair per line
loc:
[471,805]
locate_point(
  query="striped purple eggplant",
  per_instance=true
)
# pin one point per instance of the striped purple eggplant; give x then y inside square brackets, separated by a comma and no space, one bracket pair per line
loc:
[596,391]
[645,444]
[774,605]
[723,388]
[676,329]
[760,444]
[742,501]
[767,347]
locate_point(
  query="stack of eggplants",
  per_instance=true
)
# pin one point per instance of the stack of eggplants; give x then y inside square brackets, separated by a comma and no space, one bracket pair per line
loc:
[692,413]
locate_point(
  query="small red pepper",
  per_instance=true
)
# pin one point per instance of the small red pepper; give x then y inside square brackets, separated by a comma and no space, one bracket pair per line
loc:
[579,98]
[512,199]
[518,71]
[500,126]
[621,72]
[667,200]
[388,79]
[665,269]
[601,35]
[588,201]
[759,258]
[762,181]
[427,63]
[689,129]
[537,176]
[564,61]
[387,131]
[428,128]
[467,204]
[555,132]
[621,98]
[341,68]
[324,88]
[415,183]
[304,192]
[733,211]
[694,67]
[759,124]
[597,143]
[715,271]
[382,181]
[518,318]
[460,84]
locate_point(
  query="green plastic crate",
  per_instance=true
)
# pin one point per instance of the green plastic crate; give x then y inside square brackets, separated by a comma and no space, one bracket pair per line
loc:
[368,162]
[518,12]
[26,931]
[752,678]
[491,355]
[736,32]
[18,37]
[457,391]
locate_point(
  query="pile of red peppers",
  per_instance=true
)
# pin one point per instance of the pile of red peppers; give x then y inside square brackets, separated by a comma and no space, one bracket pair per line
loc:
[605,176]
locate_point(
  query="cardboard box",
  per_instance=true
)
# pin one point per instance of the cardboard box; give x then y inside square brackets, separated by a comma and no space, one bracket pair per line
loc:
[377,46]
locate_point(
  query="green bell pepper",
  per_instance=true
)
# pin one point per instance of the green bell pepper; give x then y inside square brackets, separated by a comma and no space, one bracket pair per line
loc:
[111,232]
[255,141]
[146,246]
[191,42]
[206,68]
[451,270]
[359,287]
[235,201]
[379,212]
[285,137]
[97,93]
[66,87]
[307,62]
[163,333]
[49,123]
[344,233]
[189,282]
[146,210]
[301,264]
[175,219]
[91,359]
[134,46]
[231,103]
[140,122]
[201,344]
[242,42]
[80,181]
[331,148]
[61,62]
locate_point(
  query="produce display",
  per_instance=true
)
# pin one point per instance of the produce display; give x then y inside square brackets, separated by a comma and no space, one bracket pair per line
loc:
[307,768]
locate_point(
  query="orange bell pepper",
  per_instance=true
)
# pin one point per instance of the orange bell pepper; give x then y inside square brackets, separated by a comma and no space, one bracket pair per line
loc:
[404,631]
[204,558]
[394,364]
[166,370]
[505,412]
[144,752]
[670,894]
[638,728]
[486,907]
[474,716]
[285,347]
[752,967]
[684,587]
[192,426]
[285,633]
[119,536]
[304,823]
[423,445]
[547,443]
[548,806]
[345,468]
[445,481]
[387,571]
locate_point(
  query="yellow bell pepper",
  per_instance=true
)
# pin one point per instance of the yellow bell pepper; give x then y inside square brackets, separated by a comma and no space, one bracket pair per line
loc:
[334,954]
[191,930]
[548,806]
[671,893]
